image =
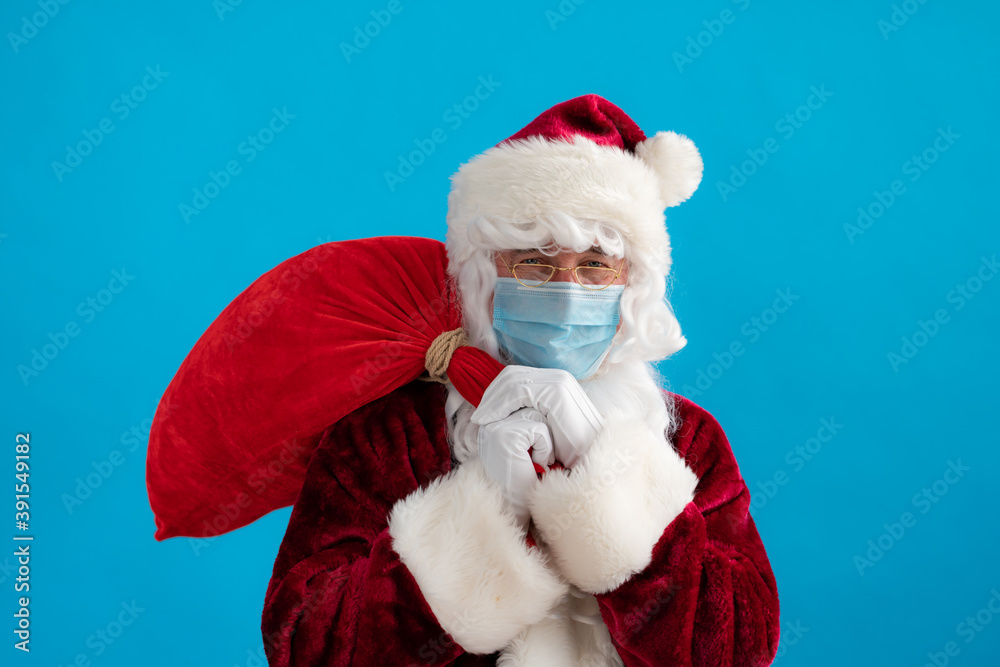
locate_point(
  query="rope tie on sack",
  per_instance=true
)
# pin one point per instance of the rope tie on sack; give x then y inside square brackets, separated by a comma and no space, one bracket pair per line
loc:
[439,354]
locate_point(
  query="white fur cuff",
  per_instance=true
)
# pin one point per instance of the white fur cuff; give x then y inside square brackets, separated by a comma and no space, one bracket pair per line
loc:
[603,518]
[471,561]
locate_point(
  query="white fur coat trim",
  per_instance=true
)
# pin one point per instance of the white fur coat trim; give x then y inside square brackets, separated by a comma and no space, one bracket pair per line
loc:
[573,635]
[602,519]
[464,549]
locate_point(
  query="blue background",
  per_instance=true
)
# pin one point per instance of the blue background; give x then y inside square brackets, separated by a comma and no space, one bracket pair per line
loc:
[323,178]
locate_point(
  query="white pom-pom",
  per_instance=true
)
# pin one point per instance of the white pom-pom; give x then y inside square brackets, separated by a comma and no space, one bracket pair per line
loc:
[676,160]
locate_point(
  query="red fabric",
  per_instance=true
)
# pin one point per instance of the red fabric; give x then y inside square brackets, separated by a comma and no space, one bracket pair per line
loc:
[311,340]
[340,596]
[591,116]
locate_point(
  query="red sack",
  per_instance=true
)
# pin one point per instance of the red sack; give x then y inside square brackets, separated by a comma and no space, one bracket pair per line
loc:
[318,336]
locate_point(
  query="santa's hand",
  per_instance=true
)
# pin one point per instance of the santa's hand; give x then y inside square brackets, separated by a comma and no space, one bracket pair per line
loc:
[568,411]
[503,448]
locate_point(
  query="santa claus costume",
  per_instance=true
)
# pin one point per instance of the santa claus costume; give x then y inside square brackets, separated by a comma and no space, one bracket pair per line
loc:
[401,550]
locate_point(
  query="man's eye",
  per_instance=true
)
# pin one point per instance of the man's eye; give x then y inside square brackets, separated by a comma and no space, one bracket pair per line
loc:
[530,260]
[595,264]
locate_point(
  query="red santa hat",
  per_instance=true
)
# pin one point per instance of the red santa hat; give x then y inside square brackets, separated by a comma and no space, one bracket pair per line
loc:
[586,158]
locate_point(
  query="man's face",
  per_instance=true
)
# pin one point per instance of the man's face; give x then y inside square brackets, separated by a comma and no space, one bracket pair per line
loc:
[592,257]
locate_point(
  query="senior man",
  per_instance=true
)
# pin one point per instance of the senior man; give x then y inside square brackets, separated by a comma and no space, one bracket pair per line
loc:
[581,514]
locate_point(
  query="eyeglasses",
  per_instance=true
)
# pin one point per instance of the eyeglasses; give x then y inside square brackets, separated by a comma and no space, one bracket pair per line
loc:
[594,278]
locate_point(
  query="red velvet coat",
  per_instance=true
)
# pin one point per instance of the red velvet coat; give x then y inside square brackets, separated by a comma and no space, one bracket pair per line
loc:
[341,595]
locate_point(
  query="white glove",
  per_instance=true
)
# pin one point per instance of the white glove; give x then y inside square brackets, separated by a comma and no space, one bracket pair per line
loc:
[503,448]
[568,411]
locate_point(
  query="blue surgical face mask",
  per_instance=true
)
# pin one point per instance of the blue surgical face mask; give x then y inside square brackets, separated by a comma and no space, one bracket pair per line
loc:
[558,325]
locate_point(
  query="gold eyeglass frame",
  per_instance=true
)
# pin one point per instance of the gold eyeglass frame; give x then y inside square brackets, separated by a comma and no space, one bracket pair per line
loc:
[576,275]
